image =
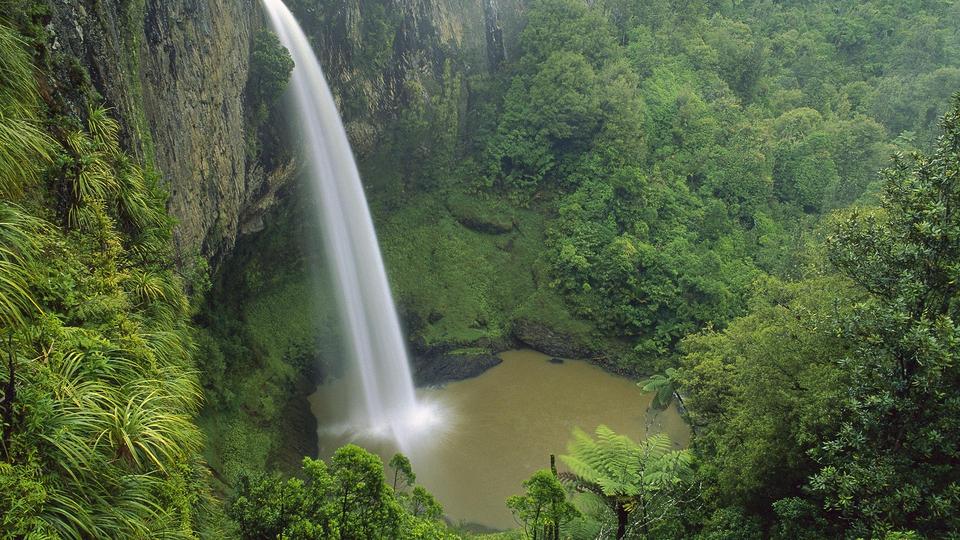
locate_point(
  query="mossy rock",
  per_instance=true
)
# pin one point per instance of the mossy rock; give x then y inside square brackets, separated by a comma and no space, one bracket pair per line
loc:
[452,366]
[543,323]
[480,214]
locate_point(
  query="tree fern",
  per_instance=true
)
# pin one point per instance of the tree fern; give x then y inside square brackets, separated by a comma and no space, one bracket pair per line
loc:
[625,474]
[664,386]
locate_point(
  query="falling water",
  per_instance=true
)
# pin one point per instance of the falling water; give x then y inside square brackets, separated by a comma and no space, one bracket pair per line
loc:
[380,367]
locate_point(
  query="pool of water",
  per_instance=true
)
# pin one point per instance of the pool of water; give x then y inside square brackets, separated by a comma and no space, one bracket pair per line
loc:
[491,432]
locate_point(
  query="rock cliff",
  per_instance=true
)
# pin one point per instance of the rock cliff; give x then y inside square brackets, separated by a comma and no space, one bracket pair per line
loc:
[174,71]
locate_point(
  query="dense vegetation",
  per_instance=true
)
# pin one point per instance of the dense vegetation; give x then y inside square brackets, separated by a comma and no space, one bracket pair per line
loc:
[666,184]
[843,405]
[666,155]
[688,188]
[350,499]
[686,167]
[686,149]
[99,388]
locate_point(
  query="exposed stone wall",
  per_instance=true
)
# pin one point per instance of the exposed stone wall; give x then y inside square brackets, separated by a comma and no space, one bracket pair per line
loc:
[174,71]
[473,36]
[194,61]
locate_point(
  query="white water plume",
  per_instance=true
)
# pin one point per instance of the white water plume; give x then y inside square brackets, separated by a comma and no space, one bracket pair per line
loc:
[380,367]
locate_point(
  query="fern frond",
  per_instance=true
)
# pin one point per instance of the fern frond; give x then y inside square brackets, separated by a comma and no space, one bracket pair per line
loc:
[656,446]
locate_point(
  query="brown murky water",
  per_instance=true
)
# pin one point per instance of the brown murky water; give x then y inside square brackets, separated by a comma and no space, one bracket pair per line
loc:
[500,427]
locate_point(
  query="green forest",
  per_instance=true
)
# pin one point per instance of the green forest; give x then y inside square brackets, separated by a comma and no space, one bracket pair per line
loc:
[748,208]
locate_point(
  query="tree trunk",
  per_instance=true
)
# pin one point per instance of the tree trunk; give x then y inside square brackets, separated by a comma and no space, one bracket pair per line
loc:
[6,406]
[536,523]
[622,516]
[554,532]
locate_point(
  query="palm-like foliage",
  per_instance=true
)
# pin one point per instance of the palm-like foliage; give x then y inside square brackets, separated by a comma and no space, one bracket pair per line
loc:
[621,467]
[138,426]
[17,248]
[148,287]
[664,386]
[134,199]
[612,462]
[103,438]
[104,131]
[123,507]
[90,175]
[14,297]
[17,85]
[626,475]
[134,202]
[97,171]
[22,145]
[22,141]
[111,431]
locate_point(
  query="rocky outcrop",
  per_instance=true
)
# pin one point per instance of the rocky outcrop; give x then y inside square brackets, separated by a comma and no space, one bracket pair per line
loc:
[541,337]
[193,72]
[376,51]
[174,72]
[446,367]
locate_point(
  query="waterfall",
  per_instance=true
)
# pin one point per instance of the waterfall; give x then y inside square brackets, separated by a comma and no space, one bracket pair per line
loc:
[372,329]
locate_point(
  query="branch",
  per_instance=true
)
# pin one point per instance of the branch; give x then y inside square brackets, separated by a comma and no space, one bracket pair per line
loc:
[663,506]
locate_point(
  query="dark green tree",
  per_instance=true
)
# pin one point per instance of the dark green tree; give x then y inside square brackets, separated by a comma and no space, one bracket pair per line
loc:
[543,509]
[402,472]
[893,462]
[762,391]
[571,26]
[270,67]
[350,499]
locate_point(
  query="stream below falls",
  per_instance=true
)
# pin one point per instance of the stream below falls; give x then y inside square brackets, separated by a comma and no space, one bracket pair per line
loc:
[493,431]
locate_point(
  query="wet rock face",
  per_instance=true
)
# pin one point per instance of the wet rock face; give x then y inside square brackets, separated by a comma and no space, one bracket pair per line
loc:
[174,73]
[540,337]
[194,62]
[375,51]
[442,368]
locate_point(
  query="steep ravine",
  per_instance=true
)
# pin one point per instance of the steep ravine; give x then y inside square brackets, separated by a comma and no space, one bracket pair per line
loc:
[175,73]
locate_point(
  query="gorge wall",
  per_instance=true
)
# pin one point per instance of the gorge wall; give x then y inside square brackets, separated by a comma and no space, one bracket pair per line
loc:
[175,73]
